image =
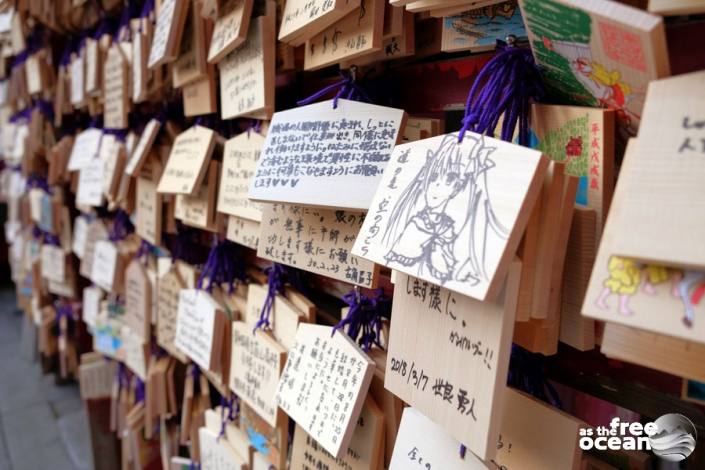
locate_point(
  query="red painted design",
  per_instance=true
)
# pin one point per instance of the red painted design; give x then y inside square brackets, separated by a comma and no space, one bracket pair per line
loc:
[622,46]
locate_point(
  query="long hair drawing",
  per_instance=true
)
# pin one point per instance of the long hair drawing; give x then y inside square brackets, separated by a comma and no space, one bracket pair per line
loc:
[443,219]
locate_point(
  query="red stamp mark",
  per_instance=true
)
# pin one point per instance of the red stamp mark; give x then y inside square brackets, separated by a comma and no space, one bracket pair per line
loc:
[622,46]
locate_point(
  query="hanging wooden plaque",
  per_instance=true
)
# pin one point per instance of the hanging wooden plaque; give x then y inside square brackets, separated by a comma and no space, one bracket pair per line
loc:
[649,297]
[364,452]
[597,53]
[663,188]
[243,231]
[247,73]
[309,394]
[169,287]
[115,89]
[460,384]
[171,17]
[240,156]
[301,19]
[138,300]
[316,240]
[421,443]
[255,368]
[306,168]
[198,331]
[231,28]
[143,147]
[191,64]
[453,213]
[85,148]
[356,34]
[148,211]
[188,161]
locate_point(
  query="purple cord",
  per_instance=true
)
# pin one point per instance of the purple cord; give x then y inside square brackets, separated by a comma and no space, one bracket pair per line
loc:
[505,86]
[365,315]
[276,277]
[347,89]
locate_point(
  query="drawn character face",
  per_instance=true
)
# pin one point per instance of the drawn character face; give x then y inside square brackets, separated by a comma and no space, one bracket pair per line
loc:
[584,65]
[441,187]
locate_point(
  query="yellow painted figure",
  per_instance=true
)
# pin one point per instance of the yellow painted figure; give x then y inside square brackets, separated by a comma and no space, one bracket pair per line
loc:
[624,281]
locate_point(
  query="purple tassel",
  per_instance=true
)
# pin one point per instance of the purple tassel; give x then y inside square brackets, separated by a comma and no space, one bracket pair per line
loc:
[365,316]
[276,277]
[348,89]
[232,404]
[221,266]
[143,251]
[505,86]
[122,226]
[120,134]
[36,181]
[139,390]
[526,373]
[46,108]
[256,126]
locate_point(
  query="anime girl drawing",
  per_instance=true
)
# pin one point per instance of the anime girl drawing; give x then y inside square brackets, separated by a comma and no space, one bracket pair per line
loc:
[605,85]
[427,227]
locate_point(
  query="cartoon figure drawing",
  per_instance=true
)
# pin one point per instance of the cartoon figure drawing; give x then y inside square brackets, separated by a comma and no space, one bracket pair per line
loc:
[691,279]
[605,85]
[625,276]
[422,233]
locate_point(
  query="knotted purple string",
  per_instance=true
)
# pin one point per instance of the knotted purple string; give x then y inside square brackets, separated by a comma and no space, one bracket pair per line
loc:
[221,266]
[526,373]
[46,108]
[139,390]
[124,22]
[505,86]
[182,246]
[463,450]
[51,239]
[103,28]
[232,414]
[348,88]
[147,8]
[256,126]
[143,251]
[120,134]
[121,375]
[122,226]
[276,277]
[21,116]
[36,181]
[365,316]
[64,309]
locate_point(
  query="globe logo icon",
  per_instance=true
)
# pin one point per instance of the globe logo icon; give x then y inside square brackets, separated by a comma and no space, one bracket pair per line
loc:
[675,438]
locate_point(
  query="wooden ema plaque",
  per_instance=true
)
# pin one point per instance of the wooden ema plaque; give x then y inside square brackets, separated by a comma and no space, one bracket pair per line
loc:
[188,161]
[247,73]
[663,188]
[171,16]
[315,240]
[198,328]
[460,384]
[356,34]
[240,156]
[255,368]
[462,231]
[301,19]
[311,396]
[301,170]
[648,297]
[616,51]
[230,28]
